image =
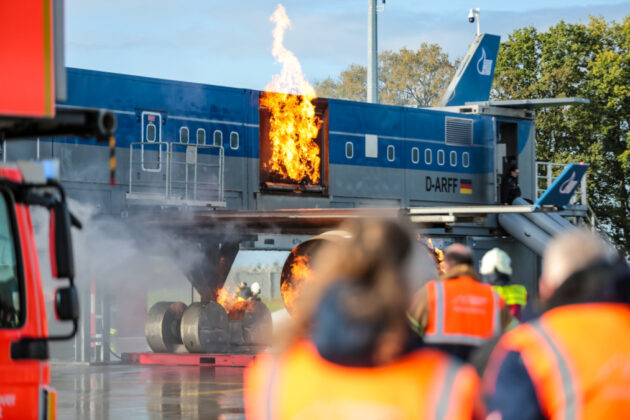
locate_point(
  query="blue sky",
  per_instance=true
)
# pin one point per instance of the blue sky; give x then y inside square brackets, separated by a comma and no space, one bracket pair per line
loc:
[229,42]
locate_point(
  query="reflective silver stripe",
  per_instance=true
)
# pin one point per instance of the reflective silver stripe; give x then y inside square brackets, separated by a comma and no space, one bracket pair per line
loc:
[444,399]
[570,400]
[440,336]
[472,340]
[496,319]
[439,308]
[270,390]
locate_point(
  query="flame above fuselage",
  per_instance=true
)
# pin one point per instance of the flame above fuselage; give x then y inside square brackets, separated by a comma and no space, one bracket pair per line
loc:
[294,125]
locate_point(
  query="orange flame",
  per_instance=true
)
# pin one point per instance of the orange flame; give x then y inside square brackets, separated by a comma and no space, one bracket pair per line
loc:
[438,254]
[226,299]
[292,286]
[293,123]
[238,309]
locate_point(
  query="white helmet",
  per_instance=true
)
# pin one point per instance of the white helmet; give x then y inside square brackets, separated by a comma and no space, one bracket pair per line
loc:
[496,258]
[255,288]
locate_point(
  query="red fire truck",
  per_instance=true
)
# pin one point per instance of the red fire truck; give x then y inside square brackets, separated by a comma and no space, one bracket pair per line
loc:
[24,369]
[32,79]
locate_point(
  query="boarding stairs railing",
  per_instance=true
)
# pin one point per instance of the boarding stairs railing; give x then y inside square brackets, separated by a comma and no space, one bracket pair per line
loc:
[163,173]
[196,172]
[148,170]
[546,174]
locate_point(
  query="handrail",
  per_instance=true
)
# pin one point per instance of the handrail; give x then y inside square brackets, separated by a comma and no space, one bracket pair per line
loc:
[549,178]
[172,181]
[190,160]
[142,160]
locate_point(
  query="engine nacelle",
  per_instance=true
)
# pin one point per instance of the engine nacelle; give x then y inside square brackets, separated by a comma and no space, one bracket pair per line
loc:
[297,267]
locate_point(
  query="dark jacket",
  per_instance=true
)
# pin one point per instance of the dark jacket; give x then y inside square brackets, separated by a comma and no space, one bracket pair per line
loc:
[509,189]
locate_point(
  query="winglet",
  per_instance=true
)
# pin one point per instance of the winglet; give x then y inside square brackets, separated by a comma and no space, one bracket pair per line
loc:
[563,188]
[473,79]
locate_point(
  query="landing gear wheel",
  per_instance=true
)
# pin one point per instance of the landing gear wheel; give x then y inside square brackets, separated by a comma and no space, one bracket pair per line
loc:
[204,328]
[162,327]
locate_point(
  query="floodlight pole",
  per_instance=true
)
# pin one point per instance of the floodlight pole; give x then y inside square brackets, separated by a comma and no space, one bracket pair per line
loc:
[372,65]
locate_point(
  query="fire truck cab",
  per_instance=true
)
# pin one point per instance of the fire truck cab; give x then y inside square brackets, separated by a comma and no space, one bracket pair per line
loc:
[24,369]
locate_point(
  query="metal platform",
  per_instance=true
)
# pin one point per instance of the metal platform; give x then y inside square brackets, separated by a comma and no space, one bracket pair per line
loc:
[188,359]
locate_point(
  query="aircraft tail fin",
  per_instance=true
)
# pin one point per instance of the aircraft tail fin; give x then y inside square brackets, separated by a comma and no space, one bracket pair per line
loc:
[473,79]
[563,188]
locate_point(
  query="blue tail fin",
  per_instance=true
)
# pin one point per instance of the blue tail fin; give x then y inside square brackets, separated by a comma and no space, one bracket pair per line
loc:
[562,189]
[473,79]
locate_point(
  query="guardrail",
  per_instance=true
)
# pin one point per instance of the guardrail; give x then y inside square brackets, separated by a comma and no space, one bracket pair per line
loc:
[186,162]
[546,174]
[176,173]
[148,164]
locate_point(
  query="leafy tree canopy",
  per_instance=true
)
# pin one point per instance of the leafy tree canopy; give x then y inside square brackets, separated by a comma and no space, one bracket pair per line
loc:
[590,61]
[406,77]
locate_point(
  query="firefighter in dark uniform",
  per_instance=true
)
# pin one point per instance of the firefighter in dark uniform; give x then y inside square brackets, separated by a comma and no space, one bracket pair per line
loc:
[244,292]
[509,186]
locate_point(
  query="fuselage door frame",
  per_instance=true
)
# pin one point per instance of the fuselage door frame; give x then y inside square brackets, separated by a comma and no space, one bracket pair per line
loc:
[151,121]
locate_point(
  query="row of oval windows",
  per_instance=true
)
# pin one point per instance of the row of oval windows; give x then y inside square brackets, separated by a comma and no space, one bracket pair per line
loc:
[415,155]
[184,136]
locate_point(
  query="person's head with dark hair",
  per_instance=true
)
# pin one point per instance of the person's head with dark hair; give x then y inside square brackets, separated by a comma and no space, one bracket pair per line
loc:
[513,171]
[354,308]
[458,254]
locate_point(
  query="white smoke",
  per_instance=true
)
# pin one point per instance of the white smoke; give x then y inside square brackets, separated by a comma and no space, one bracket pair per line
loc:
[119,269]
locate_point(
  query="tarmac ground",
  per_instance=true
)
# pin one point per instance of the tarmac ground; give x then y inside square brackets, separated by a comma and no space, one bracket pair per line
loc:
[126,392]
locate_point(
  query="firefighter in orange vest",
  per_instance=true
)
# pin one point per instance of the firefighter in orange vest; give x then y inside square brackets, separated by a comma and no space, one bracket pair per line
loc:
[496,270]
[573,362]
[458,313]
[343,357]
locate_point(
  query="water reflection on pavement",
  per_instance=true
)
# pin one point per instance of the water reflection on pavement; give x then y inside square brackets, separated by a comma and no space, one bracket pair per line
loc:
[125,392]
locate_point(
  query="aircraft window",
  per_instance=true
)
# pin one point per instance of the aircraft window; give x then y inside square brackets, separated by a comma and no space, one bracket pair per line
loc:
[428,156]
[465,159]
[218,138]
[183,135]
[201,136]
[11,290]
[415,155]
[440,157]
[349,150]
[151,132]
[453,157]
[391,153]
[234,140]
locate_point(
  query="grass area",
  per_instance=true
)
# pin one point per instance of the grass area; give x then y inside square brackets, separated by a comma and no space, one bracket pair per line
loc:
[167,295]
[274,304]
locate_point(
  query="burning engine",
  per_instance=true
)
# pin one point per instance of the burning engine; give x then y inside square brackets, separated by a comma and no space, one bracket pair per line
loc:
[236,325]
[228,325]
[297,269]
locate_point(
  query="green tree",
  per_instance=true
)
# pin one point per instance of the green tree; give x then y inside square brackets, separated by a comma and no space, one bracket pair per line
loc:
[351,85]
[591,61]
[406,77]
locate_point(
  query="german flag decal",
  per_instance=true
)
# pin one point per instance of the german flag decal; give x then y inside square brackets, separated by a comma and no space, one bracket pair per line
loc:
[465,186]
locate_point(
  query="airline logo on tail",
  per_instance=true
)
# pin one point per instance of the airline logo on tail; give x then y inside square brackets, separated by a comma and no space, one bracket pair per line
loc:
[473,79]
[569,185]
[560,192]
[484,66]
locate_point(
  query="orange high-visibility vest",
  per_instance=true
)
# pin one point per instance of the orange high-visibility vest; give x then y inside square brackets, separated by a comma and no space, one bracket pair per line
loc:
[300,384]
[578,358]
[462,311]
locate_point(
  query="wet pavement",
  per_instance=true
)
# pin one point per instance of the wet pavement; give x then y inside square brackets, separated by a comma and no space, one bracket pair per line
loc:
[125,392]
